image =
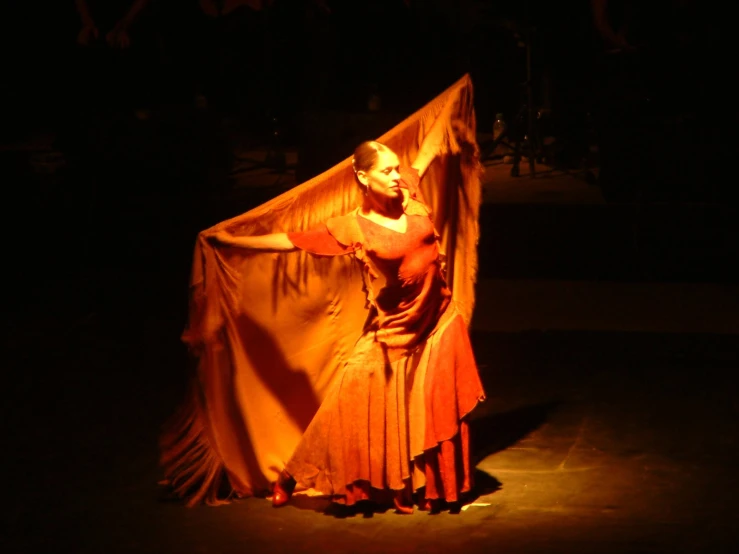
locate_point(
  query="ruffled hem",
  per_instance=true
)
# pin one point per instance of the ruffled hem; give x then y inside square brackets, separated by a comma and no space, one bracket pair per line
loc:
[445,474]
[388,425]
[446,468]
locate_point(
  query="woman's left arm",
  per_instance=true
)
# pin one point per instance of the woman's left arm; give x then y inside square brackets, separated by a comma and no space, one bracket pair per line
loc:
[433,142]
[430,148]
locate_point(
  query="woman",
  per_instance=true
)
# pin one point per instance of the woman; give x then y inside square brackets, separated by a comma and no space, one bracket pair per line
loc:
[395,422]
[327,368]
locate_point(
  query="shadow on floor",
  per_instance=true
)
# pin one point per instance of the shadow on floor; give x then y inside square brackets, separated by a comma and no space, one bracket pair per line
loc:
[497,432]
[484,484]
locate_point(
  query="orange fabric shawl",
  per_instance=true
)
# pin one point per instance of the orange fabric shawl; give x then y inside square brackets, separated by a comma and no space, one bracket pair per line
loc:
[271,331]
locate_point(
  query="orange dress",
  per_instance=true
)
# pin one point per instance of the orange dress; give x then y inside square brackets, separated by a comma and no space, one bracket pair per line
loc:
[396,417]
[281,340]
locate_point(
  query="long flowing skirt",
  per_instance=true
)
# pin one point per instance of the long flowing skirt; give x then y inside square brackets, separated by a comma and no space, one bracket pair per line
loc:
[396,425]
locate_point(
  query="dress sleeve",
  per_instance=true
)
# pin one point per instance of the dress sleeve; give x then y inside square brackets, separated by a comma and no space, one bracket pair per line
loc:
[410,180]
[320,241]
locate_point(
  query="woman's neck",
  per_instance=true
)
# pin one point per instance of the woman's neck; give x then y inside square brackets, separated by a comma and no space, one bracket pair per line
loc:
[392,208]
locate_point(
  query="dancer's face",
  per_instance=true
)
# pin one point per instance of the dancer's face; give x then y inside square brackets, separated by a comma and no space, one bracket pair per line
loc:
[383,179]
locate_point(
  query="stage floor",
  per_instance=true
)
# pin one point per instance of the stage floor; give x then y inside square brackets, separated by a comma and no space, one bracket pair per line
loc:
[595,437]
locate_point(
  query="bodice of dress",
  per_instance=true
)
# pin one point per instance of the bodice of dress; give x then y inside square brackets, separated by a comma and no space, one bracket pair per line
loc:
[405,283]
[402,257]
[406,288]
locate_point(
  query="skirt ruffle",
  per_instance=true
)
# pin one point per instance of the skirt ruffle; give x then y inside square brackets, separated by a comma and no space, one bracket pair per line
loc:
[395,425]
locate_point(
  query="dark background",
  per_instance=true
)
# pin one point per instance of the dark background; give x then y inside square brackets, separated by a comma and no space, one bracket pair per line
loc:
[128,153]
[88,131]
[112,161]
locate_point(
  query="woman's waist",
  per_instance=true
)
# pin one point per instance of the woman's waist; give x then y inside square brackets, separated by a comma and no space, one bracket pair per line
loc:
[403,332]
[407,311]
[402,294]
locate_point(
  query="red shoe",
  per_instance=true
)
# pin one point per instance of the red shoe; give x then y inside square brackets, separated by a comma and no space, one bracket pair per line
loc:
[283,489]
[400,506]
[430,505]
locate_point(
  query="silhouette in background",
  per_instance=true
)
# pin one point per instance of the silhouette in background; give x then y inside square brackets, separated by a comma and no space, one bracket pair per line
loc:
[251,62]
[118,56]
[623,100]
[660,99]
[230,60]
[563,59]
[114,19]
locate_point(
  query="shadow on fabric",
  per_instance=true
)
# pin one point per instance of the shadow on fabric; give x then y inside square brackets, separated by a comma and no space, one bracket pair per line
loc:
[299,399]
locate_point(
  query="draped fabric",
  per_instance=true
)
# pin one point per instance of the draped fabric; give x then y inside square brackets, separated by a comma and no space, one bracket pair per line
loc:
[272,332]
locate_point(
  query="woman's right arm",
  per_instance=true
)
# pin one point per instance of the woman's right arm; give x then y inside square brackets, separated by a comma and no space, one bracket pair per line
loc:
[276,242]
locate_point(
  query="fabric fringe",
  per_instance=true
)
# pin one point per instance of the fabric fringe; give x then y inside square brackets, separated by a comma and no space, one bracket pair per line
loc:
[192,469]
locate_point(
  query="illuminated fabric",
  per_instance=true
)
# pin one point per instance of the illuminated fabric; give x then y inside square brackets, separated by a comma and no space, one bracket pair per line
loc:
[274,332]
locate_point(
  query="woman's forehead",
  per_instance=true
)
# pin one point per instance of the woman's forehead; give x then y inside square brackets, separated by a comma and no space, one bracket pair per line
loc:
[386,158]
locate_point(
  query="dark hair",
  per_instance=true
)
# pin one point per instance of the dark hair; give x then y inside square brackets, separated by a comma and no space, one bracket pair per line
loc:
[365,155]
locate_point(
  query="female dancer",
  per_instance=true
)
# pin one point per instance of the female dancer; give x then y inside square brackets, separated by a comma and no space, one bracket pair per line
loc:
[395,423]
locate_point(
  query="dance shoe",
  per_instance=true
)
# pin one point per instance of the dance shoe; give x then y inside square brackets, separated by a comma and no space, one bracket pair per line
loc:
[431,505]
[401,504]
[283,489]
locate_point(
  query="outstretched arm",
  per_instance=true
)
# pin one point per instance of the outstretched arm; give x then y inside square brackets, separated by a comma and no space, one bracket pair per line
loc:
[276,242]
